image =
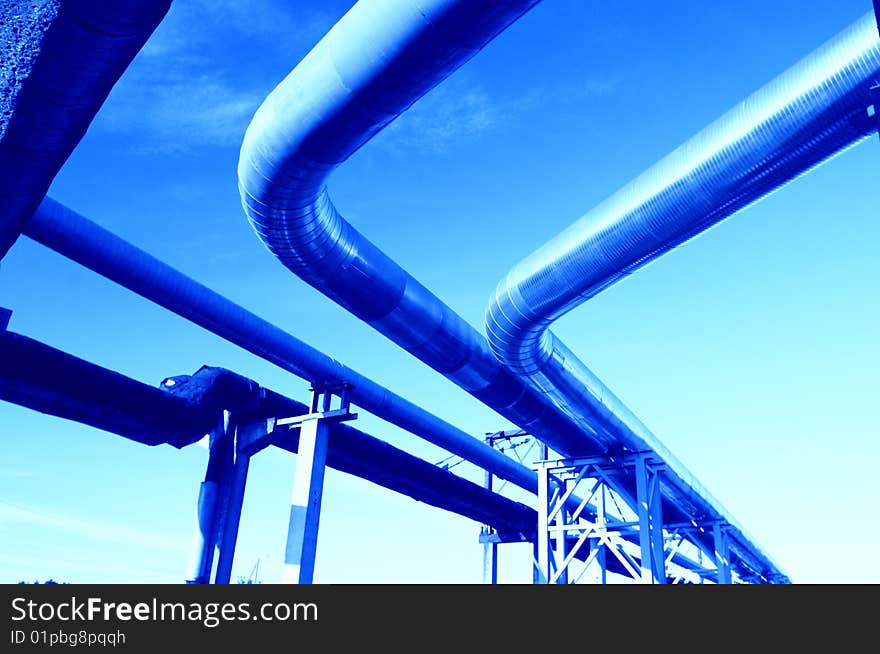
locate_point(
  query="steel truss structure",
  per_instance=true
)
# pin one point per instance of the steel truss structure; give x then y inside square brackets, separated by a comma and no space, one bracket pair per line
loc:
[608,534]
[511,442]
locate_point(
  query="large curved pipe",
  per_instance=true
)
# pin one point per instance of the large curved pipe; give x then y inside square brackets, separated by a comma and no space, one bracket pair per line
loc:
[811,112]
[375,62]
[84,52]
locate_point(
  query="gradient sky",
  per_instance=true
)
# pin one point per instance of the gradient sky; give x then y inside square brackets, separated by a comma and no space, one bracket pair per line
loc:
[751,351]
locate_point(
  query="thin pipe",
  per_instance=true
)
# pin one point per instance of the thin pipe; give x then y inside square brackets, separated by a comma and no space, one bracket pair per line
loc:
[74,236]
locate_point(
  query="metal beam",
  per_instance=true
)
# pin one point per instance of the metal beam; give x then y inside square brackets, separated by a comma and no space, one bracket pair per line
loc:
[650,522]
[543,535]
[490,546]
[644,550]
[305,503]
[234,497]
[722,553]
[207,513]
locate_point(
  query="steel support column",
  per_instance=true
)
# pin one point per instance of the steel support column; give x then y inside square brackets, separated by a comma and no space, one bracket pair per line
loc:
[651,541]
[511,441]
[490,545]
[722,554]
[250,437]
[232,518]
[221,496]
[543,534]
[308,483]
[490,557]
[220,453]
[599,543]
[305,503]
[537,575]
[560,549]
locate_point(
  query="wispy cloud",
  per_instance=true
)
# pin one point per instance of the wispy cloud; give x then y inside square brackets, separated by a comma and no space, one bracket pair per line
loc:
[455,110]
[461,108]
[577,90]
[207,68]
[183,112]
[281,22]
[195,82]
[83,527]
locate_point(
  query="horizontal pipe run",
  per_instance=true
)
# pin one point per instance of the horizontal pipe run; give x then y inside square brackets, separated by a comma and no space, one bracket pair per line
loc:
[44,379]
[70,234]
[47,380]
[364,456]
[356,453]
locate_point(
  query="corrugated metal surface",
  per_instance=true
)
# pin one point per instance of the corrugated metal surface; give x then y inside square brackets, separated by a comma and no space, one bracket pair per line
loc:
[83,53]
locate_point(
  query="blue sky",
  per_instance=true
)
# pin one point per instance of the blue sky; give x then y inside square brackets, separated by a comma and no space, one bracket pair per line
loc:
[751,351]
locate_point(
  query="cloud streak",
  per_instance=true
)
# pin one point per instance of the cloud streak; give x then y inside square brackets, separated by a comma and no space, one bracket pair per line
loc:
[183,112]
[23,515]
[195,84]
[460,109]
[207,68]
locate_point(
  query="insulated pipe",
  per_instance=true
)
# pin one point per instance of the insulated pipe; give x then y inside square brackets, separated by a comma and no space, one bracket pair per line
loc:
[84,52]
[47,380]
[372,65]
[814,110]
[77,238]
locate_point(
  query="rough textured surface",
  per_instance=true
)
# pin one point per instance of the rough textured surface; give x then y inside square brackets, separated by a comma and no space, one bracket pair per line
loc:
[22,26]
